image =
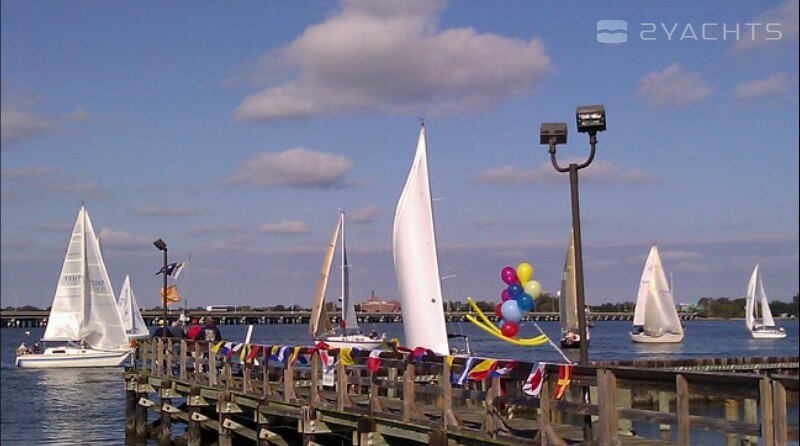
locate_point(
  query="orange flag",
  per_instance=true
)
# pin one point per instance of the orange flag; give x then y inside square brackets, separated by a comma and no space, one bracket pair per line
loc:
[172,294]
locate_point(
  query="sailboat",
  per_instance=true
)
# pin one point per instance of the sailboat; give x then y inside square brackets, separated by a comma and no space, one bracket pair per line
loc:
[129,313]
[416,262]
[760,327]
[348,334]
[84,312]
[568,310]
[655,316]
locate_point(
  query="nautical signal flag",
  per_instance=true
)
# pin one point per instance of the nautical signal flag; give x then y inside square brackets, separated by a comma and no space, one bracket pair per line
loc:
[172,294]
[533,384]
[172,269]
[564,377]
[374,360]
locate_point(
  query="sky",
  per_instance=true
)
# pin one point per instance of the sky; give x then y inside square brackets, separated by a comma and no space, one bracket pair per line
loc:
[236,131]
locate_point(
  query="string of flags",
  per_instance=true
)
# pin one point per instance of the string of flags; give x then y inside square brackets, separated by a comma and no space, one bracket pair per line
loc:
[474,369]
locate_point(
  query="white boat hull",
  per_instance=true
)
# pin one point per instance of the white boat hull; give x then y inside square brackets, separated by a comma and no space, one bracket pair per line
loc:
[571,339]
[650,338]
[70,357]
[768,333]
[352,341]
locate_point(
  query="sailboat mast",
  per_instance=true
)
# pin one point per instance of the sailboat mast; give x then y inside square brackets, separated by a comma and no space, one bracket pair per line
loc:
[345,300]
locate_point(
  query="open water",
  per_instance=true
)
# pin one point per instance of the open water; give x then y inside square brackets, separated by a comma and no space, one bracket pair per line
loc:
[87,406]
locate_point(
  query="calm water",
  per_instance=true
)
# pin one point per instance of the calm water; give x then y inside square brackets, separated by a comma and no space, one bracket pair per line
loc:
[86,406]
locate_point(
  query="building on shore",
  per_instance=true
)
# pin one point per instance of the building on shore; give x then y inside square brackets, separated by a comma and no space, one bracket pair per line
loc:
[374,304]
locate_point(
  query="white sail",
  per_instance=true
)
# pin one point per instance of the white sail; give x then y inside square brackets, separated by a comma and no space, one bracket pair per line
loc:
[84,308]
[416,261]
[655,310]
[129,312]
[761,326]
[568,310]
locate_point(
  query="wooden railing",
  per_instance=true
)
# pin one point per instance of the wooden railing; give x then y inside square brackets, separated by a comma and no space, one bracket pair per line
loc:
[414,398]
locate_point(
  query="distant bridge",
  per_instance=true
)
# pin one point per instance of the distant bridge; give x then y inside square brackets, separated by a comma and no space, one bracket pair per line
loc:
[38,318]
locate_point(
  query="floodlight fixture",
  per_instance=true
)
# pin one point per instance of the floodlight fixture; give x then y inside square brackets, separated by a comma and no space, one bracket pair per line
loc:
[591,118]
[160,245]
[552,133]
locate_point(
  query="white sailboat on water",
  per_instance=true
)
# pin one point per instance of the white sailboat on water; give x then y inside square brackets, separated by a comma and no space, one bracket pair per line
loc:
[761,326]
[83,316]
[129,312]
[348,334]
[416,262]
[568,309]
[655,316]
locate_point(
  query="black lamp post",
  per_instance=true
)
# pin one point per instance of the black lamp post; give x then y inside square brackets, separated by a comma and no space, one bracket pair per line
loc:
[590,119]
[163,247]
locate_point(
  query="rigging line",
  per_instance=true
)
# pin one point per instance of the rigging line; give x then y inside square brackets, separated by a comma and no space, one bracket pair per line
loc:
[552,344]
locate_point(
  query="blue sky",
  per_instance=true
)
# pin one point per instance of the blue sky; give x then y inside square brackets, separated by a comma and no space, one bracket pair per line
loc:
[235,131]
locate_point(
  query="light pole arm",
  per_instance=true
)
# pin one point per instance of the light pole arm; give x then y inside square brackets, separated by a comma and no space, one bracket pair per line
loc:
[552,150]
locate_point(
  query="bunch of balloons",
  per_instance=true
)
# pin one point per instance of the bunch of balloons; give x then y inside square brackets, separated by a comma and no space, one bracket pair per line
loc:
[517,298]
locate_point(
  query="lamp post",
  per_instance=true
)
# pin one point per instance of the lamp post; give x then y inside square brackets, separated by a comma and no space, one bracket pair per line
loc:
[590,119]
[163,247]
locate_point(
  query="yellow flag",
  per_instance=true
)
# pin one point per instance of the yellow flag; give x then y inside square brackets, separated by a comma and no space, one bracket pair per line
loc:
[345,357]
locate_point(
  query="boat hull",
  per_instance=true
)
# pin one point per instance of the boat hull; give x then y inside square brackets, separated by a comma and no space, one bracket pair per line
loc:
[71,357]
[649,338]
[768,333]
[352,341]
[571,339]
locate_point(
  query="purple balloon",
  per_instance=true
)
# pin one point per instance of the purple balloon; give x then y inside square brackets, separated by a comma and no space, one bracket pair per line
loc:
[509,275]
[504,296]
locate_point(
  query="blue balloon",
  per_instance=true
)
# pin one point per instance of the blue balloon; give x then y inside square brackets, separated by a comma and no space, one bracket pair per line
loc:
[515,290]
[525,302]
[511,311]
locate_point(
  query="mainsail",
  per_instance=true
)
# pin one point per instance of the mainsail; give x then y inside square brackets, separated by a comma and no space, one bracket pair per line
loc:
[655,306]
[84,308]
[568,308]
[416,261]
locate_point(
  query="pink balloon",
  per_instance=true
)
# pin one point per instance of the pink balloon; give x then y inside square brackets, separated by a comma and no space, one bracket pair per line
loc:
[509,275]
[505,295]
[509,329]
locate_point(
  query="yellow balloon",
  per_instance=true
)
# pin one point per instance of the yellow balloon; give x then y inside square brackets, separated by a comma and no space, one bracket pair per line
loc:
[533,288]
[524,272]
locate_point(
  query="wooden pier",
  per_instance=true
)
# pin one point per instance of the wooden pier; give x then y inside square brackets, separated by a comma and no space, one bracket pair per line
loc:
[182,392]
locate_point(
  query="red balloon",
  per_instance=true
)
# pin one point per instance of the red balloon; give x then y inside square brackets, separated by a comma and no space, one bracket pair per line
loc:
[498,311]
[509,329]
[509,275]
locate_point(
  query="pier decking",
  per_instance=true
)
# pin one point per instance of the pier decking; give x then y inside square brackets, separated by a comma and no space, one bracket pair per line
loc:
[197,394]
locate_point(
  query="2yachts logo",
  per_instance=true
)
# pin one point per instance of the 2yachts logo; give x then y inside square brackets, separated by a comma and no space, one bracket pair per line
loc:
[616,31]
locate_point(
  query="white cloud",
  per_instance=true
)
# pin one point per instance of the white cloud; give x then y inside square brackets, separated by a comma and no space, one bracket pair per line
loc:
[122,239]
[16,125]
[672,87]
[50,179]
[298,167]
[784,18]
[392,57]
[154,210]
[775,85]
[364,215]
[599,172]
[291,227]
